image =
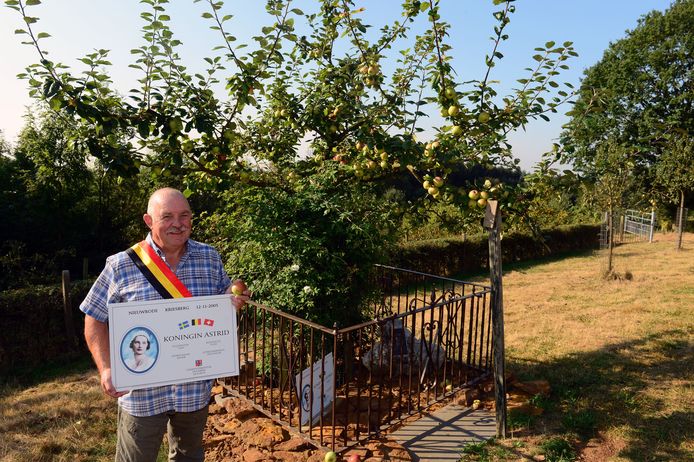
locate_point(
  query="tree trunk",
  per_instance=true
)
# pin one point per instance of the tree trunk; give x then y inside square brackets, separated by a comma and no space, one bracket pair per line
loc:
[682,222]
[610,239]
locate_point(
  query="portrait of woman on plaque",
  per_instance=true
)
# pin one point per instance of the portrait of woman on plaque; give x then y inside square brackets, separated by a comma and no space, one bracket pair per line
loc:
[139,350]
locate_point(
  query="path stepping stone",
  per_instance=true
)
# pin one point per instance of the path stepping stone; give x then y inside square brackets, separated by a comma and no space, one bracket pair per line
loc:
[441,436]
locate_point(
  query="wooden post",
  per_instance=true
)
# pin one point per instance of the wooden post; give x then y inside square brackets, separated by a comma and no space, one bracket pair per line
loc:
[492,223]
[681,222]
[67,311]
[85,268]
[650,233]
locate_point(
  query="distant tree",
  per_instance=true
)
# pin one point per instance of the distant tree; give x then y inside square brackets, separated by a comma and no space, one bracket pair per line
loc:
[613,168]
[637,94]
[60,205]
[675,174]
[551,198]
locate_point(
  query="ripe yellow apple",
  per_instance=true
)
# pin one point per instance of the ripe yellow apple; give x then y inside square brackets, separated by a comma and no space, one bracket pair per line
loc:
[238,287]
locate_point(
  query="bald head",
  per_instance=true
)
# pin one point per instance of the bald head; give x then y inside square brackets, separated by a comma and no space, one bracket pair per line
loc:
[164,195]
[169,218]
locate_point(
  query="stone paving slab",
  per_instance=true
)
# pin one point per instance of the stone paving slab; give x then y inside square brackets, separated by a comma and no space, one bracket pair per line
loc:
[441,436]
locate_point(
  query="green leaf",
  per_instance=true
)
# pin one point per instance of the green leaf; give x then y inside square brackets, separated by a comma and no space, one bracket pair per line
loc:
[143,129]
[33,2]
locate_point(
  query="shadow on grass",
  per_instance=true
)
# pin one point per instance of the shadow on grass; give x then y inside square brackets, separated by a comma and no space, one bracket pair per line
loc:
[26,376]
[595,391]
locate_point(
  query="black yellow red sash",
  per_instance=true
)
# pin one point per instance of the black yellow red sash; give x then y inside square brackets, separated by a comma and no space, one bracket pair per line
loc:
[157,271]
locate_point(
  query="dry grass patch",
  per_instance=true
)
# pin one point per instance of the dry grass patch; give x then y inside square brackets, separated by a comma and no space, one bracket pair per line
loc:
[618,352]
[64,420]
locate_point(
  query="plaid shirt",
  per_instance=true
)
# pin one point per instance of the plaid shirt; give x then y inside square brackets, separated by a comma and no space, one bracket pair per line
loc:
[202,272]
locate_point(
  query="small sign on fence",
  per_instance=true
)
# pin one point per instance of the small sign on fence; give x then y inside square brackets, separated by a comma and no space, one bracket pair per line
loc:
[315,394]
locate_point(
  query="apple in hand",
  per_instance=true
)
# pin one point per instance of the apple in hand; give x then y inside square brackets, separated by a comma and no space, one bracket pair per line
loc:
[238,287]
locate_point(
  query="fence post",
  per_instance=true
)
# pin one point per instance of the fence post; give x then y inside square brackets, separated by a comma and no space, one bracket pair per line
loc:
[67,311]
[85,268]
[492,223]
[650,234]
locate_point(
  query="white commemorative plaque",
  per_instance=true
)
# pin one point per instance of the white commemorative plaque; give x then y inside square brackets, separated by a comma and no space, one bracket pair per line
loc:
[164,342]
[316,399]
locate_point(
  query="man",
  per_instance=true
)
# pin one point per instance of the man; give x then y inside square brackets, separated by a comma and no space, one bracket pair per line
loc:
[180,410]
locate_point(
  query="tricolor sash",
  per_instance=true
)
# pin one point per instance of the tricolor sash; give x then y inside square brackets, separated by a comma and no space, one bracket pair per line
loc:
[157,271]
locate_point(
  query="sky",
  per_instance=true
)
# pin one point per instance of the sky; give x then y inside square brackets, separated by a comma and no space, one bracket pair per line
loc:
[78,27]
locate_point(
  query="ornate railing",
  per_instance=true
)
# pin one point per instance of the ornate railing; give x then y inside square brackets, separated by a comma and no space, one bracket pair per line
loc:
[427,338]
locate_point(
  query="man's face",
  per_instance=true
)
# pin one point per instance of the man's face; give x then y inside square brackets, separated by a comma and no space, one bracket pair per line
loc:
[170,222]
[140,345]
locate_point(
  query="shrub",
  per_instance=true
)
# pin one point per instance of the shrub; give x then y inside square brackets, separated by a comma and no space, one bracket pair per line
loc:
[451,256]
[34,325]
[308,251]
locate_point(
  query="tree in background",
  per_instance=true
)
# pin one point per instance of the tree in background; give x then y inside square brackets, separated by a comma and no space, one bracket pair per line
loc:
[59,207]
[637,95]
[552,198]
[675,175]
[297,124]
[614,177]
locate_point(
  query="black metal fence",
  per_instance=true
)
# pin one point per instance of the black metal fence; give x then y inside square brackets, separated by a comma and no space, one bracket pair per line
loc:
[427,338]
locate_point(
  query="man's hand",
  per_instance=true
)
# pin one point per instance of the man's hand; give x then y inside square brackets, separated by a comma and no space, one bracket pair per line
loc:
[107,384]
[96,335]
[239,293]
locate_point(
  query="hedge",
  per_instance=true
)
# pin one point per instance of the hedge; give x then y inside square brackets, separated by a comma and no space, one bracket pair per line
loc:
[454,256]
[33,325]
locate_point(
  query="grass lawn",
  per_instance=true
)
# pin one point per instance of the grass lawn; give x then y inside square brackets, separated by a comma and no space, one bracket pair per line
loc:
[619,356]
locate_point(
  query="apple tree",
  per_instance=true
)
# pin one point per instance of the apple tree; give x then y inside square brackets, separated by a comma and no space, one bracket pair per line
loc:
[299,133]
